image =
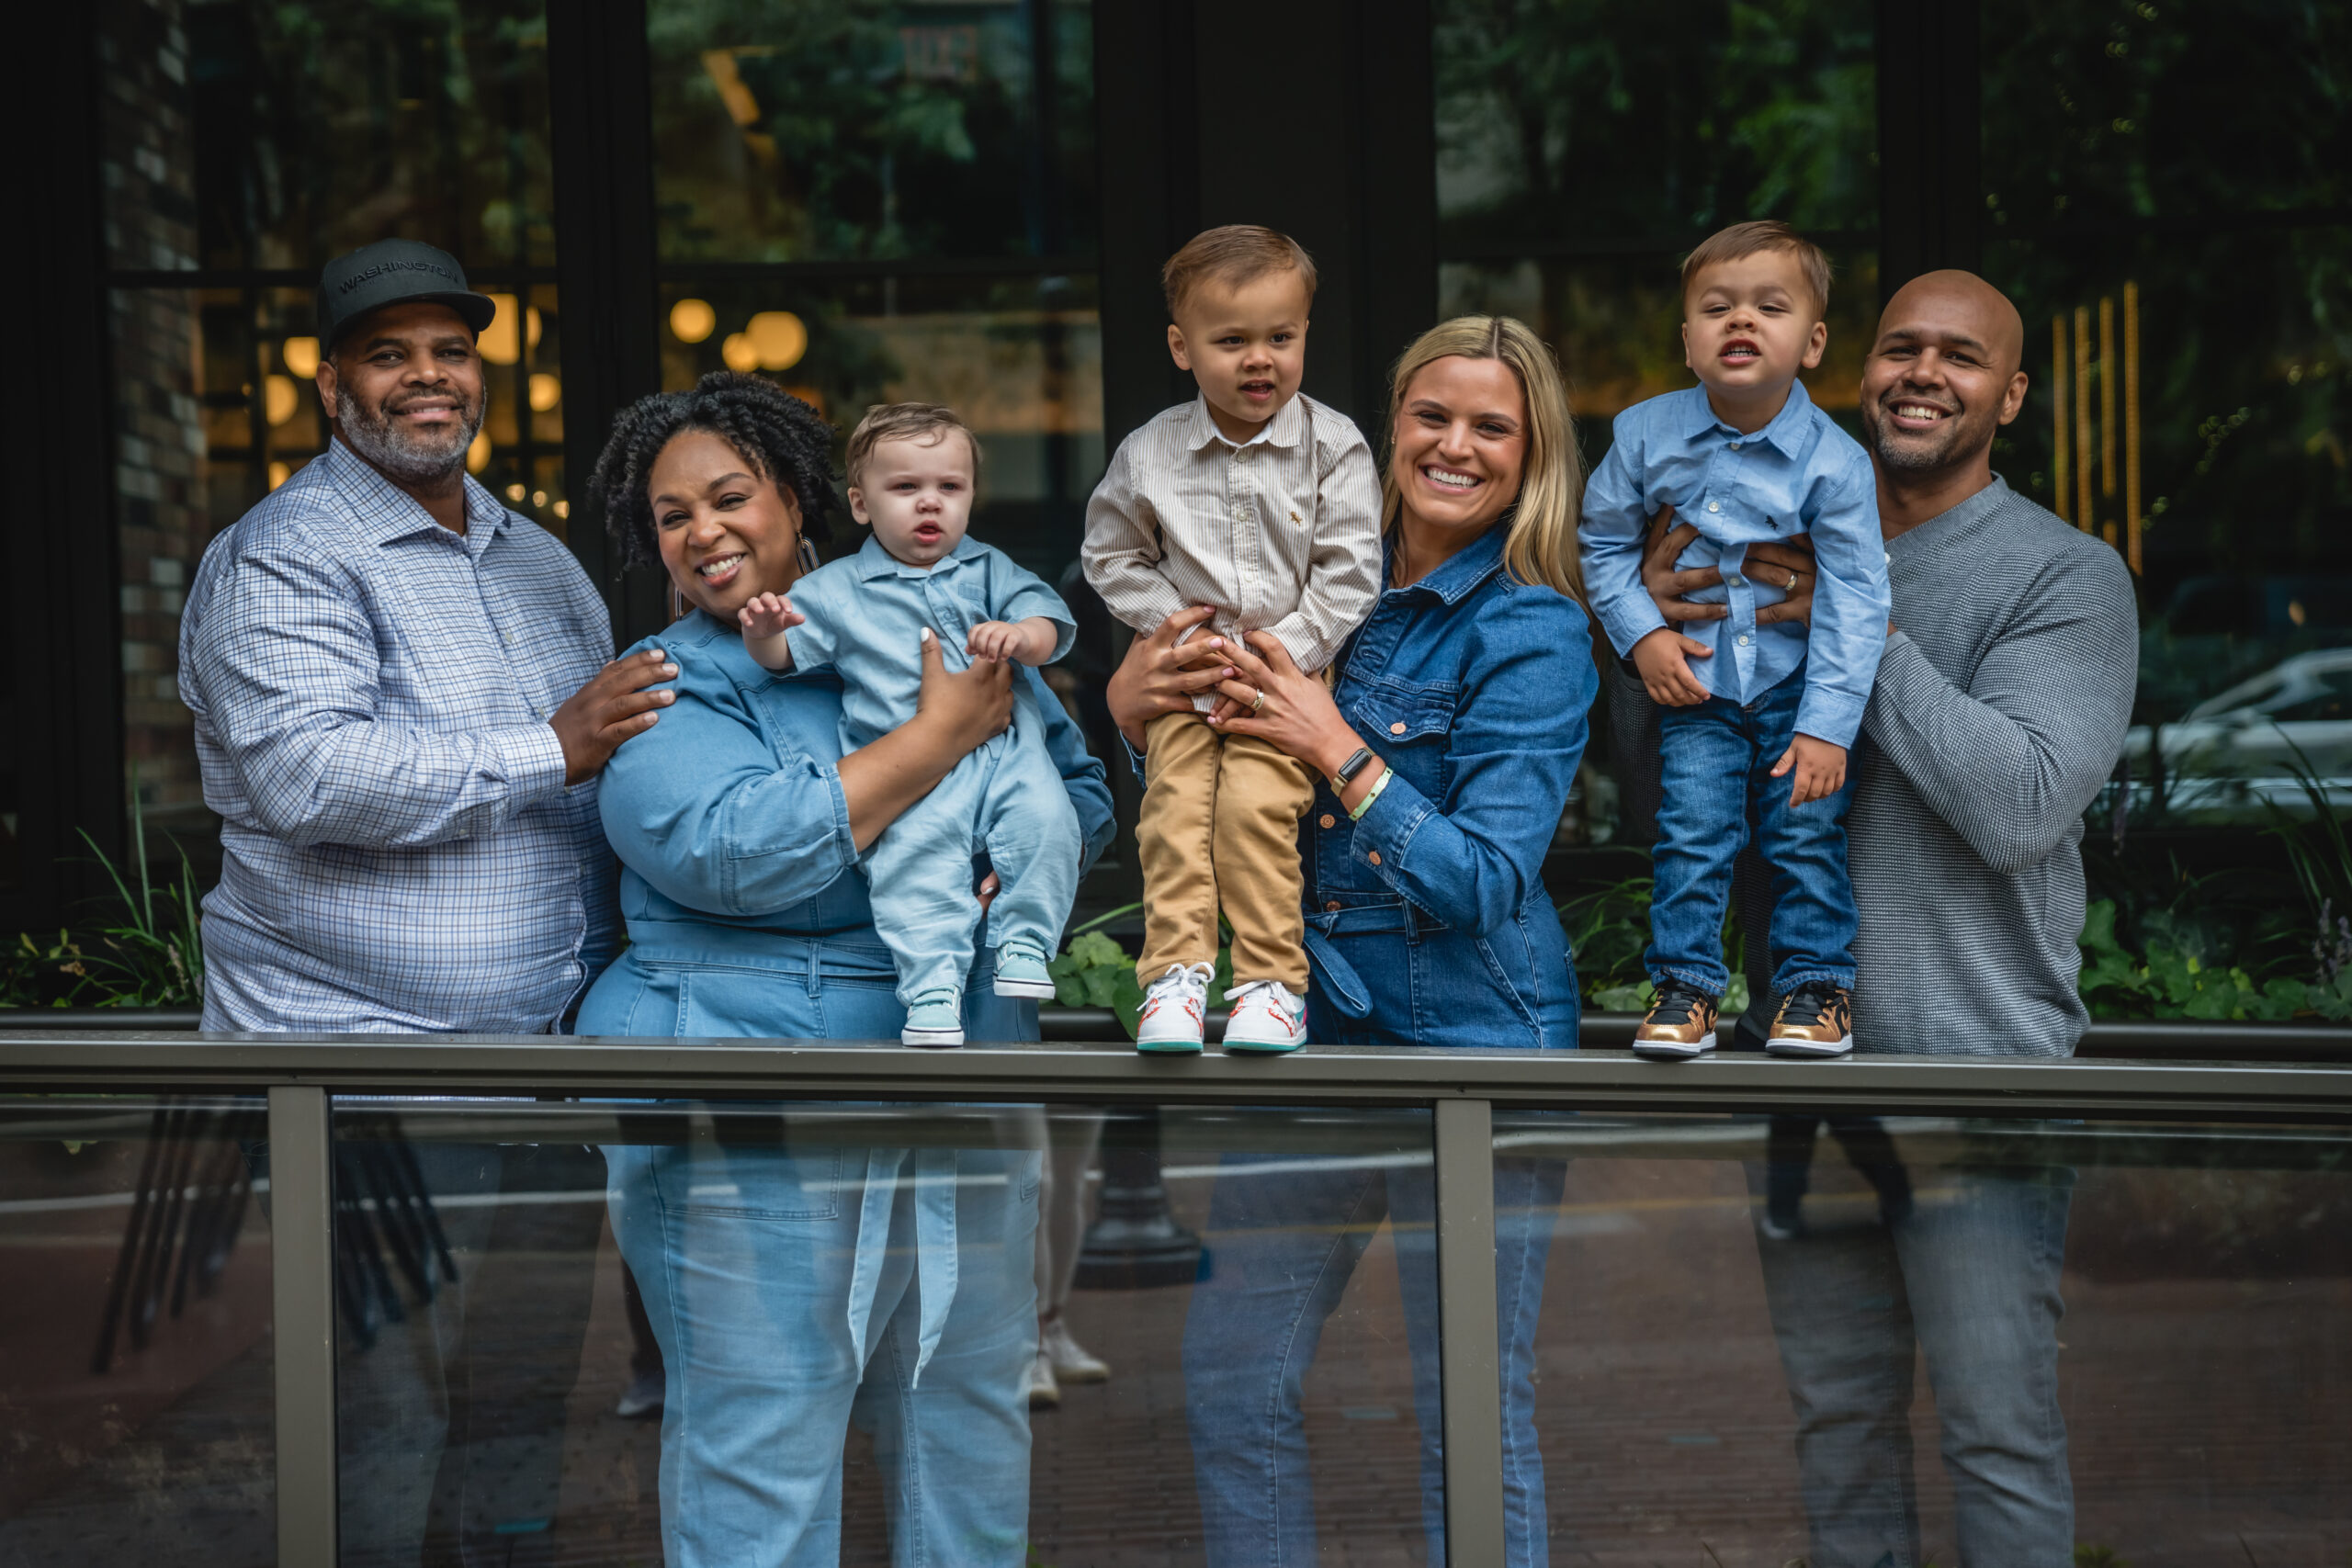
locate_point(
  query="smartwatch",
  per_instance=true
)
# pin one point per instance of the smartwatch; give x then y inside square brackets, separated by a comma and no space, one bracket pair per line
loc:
[1348,770]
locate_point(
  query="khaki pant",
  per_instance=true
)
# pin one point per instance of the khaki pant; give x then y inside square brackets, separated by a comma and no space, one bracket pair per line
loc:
[1220,822]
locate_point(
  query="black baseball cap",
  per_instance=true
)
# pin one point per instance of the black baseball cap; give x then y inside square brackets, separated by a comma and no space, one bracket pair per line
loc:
[395,272]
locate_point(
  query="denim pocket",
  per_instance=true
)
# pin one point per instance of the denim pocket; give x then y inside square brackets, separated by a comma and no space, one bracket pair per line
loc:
[753,1183]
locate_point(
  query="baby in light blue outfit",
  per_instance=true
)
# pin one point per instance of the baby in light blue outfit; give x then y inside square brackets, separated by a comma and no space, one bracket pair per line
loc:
[912,467]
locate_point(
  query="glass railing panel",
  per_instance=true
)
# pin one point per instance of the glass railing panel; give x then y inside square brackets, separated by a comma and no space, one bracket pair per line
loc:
[136,1396]
[723,1332]
[1848,1340]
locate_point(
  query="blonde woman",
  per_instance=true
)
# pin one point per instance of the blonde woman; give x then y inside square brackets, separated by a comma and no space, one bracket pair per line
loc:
[1445,746]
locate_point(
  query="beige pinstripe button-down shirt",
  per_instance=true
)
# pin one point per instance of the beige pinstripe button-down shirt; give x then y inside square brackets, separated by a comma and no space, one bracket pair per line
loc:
[1280,533]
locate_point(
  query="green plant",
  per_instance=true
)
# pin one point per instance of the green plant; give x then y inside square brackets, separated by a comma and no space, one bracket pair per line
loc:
[2168,978]
[157,957]
[31,972]
[1608,930]
[1095,971]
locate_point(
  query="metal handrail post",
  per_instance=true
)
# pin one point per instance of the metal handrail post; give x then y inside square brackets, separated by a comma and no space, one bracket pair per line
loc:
[301,1190]
[1469,1340]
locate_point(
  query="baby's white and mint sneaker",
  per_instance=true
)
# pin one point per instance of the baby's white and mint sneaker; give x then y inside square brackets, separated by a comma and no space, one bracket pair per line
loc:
[1176,1010]
[935,1019]
[1021,971]
[1266,1018]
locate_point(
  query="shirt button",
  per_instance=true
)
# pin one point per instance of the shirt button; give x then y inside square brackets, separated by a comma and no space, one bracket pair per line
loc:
[1714,506]
[1735,445]
[1373,857]
[1397,728]
[510,639]
[1732,581]
[1743,639]
[1332,907]
[1327,821]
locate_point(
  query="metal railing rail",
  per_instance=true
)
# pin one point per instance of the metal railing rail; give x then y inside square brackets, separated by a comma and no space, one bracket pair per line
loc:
[1470,1093]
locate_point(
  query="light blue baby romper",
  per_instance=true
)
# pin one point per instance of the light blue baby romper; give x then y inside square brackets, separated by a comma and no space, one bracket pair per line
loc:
[865,618]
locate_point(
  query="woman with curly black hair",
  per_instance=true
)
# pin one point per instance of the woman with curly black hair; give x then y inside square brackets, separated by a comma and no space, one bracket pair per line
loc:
[768,1273]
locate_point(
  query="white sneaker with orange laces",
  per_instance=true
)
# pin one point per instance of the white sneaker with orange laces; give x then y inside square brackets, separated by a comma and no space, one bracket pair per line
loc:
[1176,1010]
[1266,1018]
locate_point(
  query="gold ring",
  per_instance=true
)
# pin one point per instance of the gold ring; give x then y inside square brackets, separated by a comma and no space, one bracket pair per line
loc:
[1790,585]
[1259,701]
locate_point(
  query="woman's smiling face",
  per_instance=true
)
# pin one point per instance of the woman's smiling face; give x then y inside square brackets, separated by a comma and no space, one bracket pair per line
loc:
[727,534]
[1460,442]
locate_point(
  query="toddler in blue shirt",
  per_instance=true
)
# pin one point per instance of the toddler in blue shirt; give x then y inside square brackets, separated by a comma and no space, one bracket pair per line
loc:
[1746,457]
[912,471]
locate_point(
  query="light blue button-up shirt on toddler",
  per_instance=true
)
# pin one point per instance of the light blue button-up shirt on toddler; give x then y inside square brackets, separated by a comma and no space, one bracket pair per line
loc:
[866,613]
[1799,474]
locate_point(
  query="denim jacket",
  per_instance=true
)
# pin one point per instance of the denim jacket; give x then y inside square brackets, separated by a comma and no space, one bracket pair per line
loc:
[1428,920]
[733,833]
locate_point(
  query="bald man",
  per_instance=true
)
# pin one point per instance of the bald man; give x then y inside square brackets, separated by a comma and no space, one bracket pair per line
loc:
[1999,710]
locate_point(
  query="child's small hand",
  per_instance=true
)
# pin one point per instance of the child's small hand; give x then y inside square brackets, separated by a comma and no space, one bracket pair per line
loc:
[769,614]
[995,639]
[1223,708]
[1663,660]
[1819,766]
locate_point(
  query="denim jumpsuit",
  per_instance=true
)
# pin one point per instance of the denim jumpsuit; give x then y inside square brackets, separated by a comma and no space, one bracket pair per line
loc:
[788,1286]
[1428,924]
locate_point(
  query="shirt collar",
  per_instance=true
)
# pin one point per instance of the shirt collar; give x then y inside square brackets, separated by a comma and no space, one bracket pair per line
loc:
[1786,435]
[1286,429]
[874,561]
[1462,574]
[386,513]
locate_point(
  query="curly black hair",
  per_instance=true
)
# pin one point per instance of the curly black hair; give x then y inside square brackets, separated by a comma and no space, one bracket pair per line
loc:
[782,438]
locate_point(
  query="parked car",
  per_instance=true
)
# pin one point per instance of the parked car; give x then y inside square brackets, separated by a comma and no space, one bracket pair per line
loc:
[2244,747]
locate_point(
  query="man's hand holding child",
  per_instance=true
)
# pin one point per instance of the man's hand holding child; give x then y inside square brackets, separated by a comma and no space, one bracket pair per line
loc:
[1820,769]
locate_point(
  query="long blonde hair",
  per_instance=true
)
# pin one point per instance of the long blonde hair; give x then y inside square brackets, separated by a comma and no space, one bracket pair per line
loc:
[1541,548]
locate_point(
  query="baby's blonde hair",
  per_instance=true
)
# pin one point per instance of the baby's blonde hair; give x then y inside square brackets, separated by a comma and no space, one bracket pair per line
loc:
[927,423]
[1541,548]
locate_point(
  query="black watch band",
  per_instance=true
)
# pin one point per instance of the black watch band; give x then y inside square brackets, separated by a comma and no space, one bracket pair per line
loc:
[1348,770]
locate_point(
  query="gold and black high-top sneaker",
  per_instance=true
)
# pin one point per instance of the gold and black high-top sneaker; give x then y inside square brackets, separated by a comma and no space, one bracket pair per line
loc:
[1679,1024]
[1815,1020]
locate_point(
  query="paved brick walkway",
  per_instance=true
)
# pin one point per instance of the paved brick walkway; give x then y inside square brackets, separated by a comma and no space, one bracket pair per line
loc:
[2209,1412]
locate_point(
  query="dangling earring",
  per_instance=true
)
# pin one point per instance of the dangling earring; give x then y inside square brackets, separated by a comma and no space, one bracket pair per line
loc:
[807,555]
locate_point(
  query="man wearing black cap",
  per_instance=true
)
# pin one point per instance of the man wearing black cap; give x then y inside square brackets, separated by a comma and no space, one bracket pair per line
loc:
[402,700]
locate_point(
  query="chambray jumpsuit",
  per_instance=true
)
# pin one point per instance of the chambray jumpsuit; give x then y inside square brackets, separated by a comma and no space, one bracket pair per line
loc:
[787,1285]
[1428,924]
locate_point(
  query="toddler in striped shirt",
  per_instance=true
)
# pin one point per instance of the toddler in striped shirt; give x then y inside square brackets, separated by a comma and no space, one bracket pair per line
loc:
[1257,501]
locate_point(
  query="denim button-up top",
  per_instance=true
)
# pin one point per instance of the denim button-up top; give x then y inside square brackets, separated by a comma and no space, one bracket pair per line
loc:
[734,840]
[1427,920]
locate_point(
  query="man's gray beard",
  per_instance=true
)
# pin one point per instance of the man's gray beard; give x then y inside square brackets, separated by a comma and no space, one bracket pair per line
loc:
[370,434]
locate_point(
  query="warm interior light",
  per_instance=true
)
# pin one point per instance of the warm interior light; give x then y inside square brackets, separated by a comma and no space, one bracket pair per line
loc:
[514,493]
[779,338]
[739,354]
[300,357]
[278,474]
[278,398]
[563,509]
[478,455]
[501,342]
[538,498]
[691,321]
[545,392]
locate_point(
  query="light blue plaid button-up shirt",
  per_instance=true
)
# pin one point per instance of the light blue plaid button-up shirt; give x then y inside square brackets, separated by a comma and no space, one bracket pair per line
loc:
[371,690]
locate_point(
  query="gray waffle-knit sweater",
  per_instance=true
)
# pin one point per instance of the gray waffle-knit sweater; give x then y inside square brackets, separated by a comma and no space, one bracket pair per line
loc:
[2000,708]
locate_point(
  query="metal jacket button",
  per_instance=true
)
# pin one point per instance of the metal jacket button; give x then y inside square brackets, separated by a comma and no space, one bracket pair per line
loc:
[1373,857]
[1397,728]
[1328,820]
[1333,907]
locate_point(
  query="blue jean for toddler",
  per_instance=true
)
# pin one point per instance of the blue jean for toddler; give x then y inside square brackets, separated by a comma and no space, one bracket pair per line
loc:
[1716,768]
[1007,799]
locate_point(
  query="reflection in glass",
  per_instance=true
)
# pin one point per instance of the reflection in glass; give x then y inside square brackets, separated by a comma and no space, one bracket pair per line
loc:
[135,1387]
[1020,358]
[2181,262]
[1754,1294]
[818,1333]
[245,135]
[830,129]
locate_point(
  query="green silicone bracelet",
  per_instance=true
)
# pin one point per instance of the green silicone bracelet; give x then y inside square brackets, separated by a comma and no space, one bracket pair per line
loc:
[1356,813]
